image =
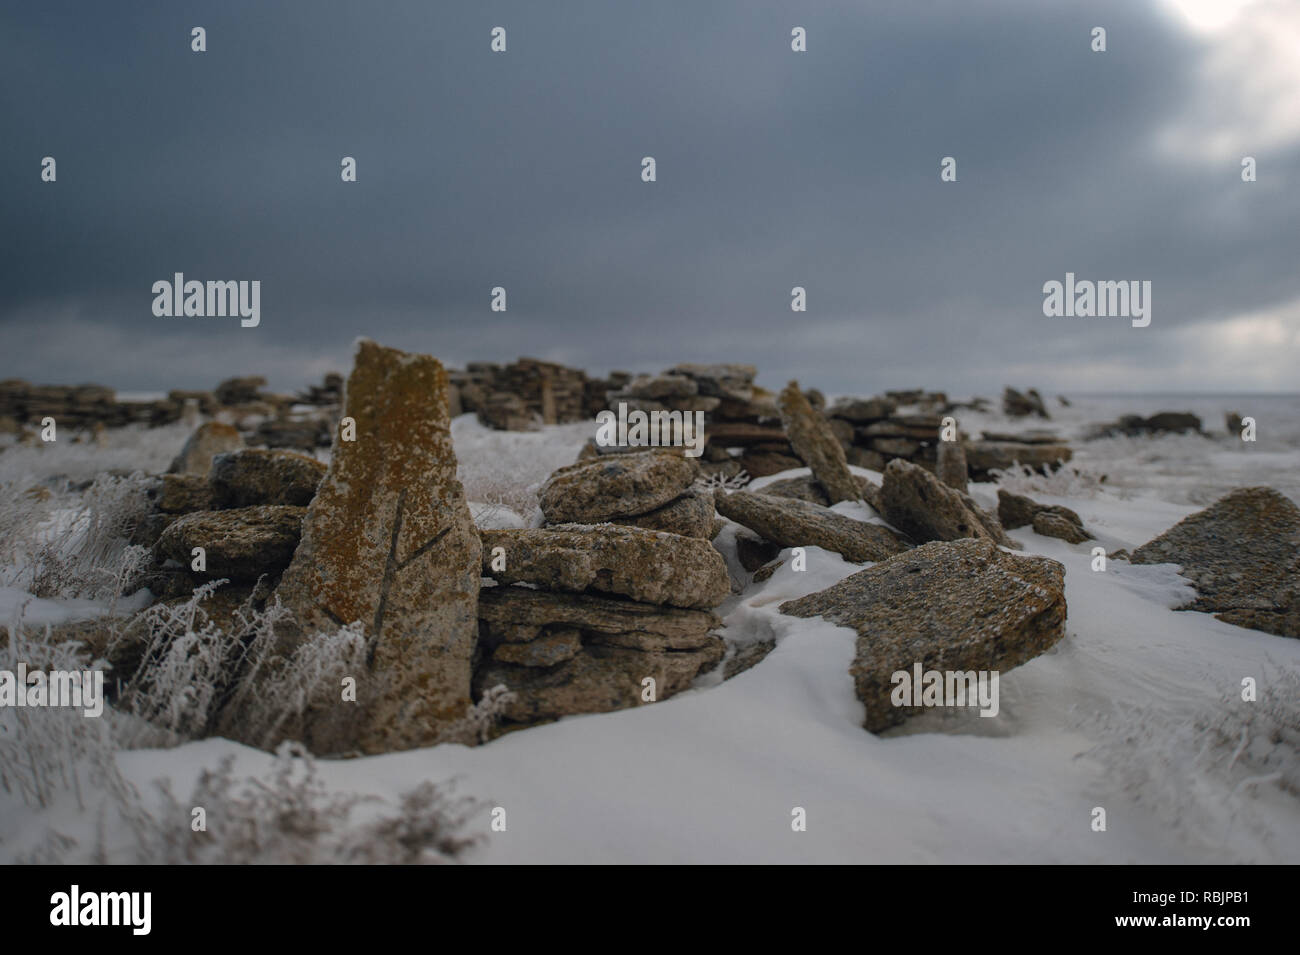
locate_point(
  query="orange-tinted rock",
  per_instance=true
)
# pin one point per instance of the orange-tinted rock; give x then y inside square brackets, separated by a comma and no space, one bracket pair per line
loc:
[389,541]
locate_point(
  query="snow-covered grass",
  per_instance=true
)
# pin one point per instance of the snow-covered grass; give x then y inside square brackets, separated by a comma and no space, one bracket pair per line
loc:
[1138,710]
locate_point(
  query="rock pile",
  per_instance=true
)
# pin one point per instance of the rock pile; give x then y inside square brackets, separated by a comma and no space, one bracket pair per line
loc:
[1163,422]
[1018,405]
[1016,510]
[581,617]
[528,392]
[246,513]
[1037,450]
[652,489]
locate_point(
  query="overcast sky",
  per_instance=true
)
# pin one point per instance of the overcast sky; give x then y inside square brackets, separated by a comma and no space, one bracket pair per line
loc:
[775,169]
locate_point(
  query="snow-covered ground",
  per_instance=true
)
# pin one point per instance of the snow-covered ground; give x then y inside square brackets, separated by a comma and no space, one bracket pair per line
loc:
[1137,710]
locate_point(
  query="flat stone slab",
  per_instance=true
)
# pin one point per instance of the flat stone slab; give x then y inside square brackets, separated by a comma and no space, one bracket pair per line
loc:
[959,605]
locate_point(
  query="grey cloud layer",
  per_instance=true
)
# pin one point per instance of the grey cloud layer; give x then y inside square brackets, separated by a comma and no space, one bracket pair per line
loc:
[522,170]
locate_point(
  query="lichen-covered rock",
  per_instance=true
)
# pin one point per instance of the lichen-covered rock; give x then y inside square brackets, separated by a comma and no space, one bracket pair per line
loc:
[720,381]
[648,566]
[815,443]
[208,440]
[985,456]
[863,410]
[259,476]
[1243,555]
[1050,523]
[546,651]
[1016,510]
[517,614]
[962,605]
[690,515]
[619,485]
[807,488]
[794,523]
[762,463]
[913,500]
[597,680]
[182,494]
[950,464]
[389,541]
[241,544]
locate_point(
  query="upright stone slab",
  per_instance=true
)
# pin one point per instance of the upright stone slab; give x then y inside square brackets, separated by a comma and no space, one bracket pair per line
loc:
[816,444]
[389,541]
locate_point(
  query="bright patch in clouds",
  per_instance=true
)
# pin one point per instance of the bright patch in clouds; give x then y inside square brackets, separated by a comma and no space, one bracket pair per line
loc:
[1247,97]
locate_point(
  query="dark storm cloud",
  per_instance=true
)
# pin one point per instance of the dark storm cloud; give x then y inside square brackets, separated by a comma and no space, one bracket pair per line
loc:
[775,169]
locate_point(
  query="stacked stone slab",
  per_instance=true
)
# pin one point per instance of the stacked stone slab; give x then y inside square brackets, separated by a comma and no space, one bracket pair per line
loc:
[587,619]
[1037,450]
[524,394]
[246,513]
[652,489]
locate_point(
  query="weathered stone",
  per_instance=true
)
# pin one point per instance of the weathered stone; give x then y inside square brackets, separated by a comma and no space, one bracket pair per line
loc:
[389,541]
[1032,436]
[793,523]
[522,607]
[862,410]
[985,456]
[239,391]
[866,458]
[745,657]
[653,642]
[259,476]
[913,500]
[762,463]
[753,552]
[948,606]
[644,565]
[1016,510]
[241,544]
[691,515]
[815,443]
[545,651]
[896,447]
[1049,523]
[806,488]
[843,431]
[209,439]
[1243,555]
[598,680]
[950,465]
[1163,422]
[737,434]
[1017,405]
[183,494]
[622,485]
[657,387]
[721,381]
